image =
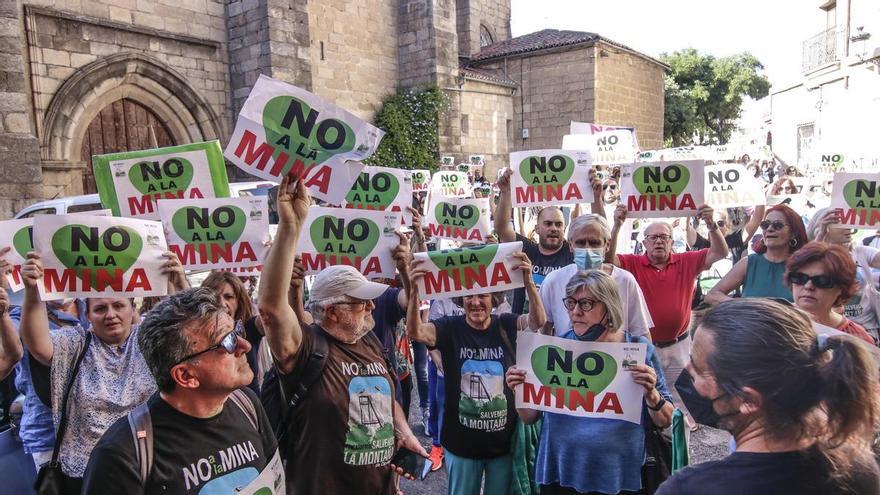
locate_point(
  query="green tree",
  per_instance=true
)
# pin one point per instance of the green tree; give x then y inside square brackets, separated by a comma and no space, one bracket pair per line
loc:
[704,95]
[410,119]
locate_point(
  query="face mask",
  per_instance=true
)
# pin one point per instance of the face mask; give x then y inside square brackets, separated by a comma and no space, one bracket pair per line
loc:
[701,408]
[588,258]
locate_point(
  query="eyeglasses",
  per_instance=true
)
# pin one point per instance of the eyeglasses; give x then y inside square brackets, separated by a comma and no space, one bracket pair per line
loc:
[657,237]
[362,304]
[777,225]
[585,304]
[229,342]
[609,186]
[819,281]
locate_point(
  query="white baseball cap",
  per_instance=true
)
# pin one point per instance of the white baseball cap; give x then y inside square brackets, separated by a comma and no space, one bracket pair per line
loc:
[344,280]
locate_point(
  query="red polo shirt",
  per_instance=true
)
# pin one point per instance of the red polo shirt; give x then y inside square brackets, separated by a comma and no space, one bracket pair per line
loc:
[668,291]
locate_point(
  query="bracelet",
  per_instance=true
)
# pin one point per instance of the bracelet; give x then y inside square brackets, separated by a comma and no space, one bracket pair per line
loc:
[659,405]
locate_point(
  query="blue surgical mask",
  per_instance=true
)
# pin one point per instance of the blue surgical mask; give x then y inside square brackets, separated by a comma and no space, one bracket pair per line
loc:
[588,258]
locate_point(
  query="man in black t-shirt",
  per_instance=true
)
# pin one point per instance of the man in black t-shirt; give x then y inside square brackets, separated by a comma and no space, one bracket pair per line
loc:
[550,253]
[209,432]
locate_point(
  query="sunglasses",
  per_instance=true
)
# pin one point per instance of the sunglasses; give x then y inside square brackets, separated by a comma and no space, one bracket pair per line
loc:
[585,304]
[609,186]
[720,223]
[777,225]
[229,342]
[819,281]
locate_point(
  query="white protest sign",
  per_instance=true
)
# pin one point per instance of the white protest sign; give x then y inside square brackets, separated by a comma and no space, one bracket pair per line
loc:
[421,180]
[730,184]
[89,256]
[589,128]
[284,128]
[269,482]
[549,177]
[17,235]
[856,198]
[470,270]
[447,161]
[359,238]
[217,233]
[586,379]
[460,219]
[382,189]
[662,189]
[130,183]
[613,147]
[451,184]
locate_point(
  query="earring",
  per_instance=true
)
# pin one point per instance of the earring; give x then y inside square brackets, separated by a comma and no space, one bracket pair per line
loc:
[793,242]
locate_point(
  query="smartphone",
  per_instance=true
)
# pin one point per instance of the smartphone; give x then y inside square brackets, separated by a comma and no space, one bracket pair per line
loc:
[408,461]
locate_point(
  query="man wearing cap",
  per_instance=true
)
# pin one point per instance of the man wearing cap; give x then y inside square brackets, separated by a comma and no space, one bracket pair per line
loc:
[345,431]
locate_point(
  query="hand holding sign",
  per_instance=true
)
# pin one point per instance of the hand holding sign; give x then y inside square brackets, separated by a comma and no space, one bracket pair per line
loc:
[293,206]
[856,198]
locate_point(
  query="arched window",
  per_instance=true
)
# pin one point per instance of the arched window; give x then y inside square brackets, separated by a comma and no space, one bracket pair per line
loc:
[485,36]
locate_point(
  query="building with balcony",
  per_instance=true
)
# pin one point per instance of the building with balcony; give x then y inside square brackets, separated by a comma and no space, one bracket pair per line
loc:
[835,106]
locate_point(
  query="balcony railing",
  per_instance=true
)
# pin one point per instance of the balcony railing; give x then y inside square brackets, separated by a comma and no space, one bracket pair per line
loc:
[823,48]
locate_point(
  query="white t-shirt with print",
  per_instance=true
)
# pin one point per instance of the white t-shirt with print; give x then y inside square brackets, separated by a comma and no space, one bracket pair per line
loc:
[638,319]
[864,306]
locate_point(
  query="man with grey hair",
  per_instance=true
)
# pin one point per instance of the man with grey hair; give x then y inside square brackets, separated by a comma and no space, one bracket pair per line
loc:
[343,433]
[667,280]
[204,429]
[590,239]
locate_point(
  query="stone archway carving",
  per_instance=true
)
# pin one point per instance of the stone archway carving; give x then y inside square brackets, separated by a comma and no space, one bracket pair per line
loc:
[188,117]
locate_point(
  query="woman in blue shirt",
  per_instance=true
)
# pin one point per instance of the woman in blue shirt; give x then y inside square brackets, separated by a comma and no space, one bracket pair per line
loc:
[594,455]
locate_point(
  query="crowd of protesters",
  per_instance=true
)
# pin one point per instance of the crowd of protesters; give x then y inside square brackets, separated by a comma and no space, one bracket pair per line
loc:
[173,399]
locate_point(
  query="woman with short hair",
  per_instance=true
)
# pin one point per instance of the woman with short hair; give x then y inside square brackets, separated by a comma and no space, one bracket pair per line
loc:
[802,408]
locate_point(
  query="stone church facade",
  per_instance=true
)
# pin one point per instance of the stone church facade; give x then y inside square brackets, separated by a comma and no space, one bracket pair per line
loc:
[83,77]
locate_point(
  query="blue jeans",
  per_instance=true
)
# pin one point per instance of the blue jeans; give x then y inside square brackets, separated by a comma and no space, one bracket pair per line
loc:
[465,475]
[420,363]
[436,400]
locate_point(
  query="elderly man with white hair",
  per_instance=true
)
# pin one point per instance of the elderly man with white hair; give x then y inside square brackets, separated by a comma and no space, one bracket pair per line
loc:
[667,280]
[343,434]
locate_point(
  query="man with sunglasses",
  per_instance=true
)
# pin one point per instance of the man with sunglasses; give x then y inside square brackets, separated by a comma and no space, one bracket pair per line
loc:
[208,431]
[343,433]
[667,280]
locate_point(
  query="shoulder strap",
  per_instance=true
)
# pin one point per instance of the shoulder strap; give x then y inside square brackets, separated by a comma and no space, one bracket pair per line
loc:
[62,423]
[141,425]
[508,347]
[247,406]
[312,371]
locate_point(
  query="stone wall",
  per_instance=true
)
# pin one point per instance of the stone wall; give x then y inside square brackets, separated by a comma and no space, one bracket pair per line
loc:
[629,92]
[494,14]
[354,51]
[486,115]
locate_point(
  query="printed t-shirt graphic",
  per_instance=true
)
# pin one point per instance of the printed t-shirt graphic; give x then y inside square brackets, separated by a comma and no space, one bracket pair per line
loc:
[482,405]
[370,437]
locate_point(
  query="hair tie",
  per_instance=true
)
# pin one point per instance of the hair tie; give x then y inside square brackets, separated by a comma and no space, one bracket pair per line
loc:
[822,342]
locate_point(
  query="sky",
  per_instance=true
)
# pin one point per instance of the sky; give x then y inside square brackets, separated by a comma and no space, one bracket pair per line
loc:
[772,30]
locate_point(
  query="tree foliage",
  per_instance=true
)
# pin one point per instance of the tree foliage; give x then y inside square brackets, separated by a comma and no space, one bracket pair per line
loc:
[704,95]
[410,119]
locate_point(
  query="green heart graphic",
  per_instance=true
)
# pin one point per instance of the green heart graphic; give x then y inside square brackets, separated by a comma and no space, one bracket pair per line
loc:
[353,238]
[538,170]
[171,176]
[23,241]
[590,372]
[378,191]
[200,226]
[419,178]
[661,181]
[80,247]
[462,216]
[292,126]
[461,258]
[862,194]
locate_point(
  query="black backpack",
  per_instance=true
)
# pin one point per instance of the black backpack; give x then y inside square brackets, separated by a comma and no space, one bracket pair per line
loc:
[280,408]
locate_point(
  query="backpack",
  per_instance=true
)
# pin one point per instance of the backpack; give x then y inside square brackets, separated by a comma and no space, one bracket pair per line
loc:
[280,408]
[141,424]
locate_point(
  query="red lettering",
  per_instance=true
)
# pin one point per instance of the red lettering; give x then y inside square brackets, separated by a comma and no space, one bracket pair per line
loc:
[499,275]
[320,179]
[187,256]
[66,282]
[531,397]
[245,252]
[474,276]
[145,205]
[436,282]
[221,252]
[105,277]
[610,401]
[138,281]
[637,203]
[262,154]
[584,401]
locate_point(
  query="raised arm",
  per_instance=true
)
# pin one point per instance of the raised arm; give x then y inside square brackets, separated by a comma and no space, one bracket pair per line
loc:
[416,329]
[598,204]
[173,268]
[536,317]
[34,324]
[733,279]
[717,243]
[295,294]
[282,327]
[754,222]
[619,218]
[503,228]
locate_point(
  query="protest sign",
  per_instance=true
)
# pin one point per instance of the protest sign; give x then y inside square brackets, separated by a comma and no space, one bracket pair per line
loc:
[589,128]
[613,147]
[451,184]
[730,184]
[447,161]
[477,160]
[18,236]
[460,219]
[382,189]
[269,482]
[89,256]
[543,177]
[421,180]
[282,127]
[586,379]
[130,183]
[359,238]
[470,270]
[856,198]
[662,189]
[217,233]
